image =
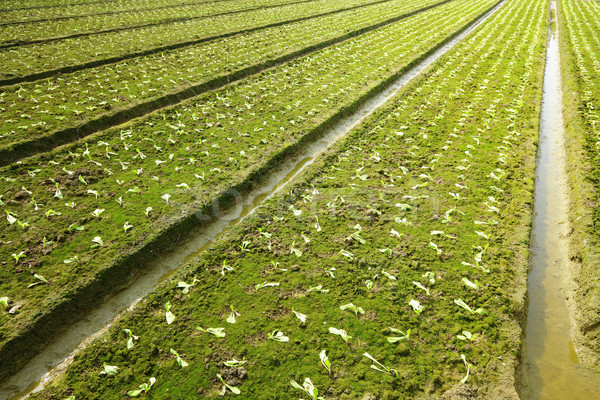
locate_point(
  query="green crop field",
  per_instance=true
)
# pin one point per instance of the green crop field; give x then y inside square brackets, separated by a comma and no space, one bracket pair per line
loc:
[394,266]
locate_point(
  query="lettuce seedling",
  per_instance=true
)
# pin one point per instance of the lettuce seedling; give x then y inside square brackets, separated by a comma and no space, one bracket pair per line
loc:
[179,360]
[278,336]
[463,380]
[472,285]
[348,254]
[307,387]
[300,316]
[218,332]
[466,335]
[231,318]
[420,286]
[394,339]
[144,387]
[110,370]
[226,267]
[416,306]
[97,240]
[340,332]
[369,284]
[130,338]
[40,280]
[353,308]
[235,363]
[17,257]
[464,305]
[4,301]
[233,389]
[318,288]
[265,284]
[166,197]
[169,315]
[186,286]
[380,367]
[429,275]
[387,275]
[325,360]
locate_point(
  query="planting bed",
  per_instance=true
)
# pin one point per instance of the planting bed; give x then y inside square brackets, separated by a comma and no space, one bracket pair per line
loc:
[579,22]
[48,10]
[47,108]
[45,29]
[32,60]
[410,237]
[74,215]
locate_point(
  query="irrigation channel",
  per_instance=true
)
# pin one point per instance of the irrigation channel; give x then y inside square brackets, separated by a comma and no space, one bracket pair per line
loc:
[53,361]
[552,368]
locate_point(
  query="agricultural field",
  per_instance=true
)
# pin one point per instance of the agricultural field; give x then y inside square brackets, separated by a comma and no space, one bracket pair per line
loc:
[579,49]
[393,266]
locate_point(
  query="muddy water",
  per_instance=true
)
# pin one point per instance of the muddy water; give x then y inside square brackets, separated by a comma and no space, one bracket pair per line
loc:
[552,367]
[53,361]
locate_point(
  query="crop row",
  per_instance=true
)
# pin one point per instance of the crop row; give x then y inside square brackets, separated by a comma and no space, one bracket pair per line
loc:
[43,10]
[395,268]
[72,213]
[31,59]
[38,109]
[581,76]
[48,29]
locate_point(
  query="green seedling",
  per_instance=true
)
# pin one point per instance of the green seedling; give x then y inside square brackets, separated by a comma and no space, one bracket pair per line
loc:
[300,316]
[295,251]
[420,286]
[179,360]
[226,267]
[394,339]
[387,275]
[74,259]
[464,305]
[231,318]
[130,338]
[169,315]
[340,332]
[325,360]
[463,380]
[17,257]
[472,285]
[4,301]
[166,197]
[278,336]
[235,363]
[353,308]
[186,286]
[307,387]
[435,247]
[318,288]
[348,254]
[127,226]
[110,370]
[40,281]
[144,387]
[218,332]
[233,389]
[380,367]
[466,335]
[265,284]
[416,306]
[97,240]
[430,276]
[369,284]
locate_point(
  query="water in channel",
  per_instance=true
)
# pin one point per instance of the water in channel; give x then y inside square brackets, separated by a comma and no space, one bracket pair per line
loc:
[53,361]
[552,367]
